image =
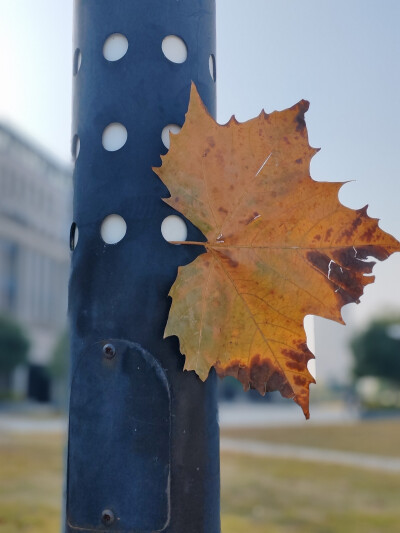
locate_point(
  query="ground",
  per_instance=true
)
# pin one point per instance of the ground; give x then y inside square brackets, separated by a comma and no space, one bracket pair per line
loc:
[259,494]
[31,472]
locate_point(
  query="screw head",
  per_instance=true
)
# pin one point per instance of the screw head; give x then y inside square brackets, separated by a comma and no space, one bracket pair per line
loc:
[109,351]
[107,517]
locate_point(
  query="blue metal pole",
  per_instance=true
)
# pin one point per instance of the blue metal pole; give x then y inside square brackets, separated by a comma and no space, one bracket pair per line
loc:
[143,453]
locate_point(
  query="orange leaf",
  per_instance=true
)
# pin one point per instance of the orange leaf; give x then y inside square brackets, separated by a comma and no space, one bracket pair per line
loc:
[280,246]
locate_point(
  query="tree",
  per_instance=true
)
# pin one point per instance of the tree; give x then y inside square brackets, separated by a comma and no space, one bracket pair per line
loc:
[14,346]
[59,364]
[376,351]
[58,370]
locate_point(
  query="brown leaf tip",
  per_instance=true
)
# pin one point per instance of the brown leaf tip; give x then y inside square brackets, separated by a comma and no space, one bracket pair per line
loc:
[264,376]
[301,108]
[260,375]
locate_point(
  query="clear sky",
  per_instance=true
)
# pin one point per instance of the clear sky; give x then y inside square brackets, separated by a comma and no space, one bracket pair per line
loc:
[36,72]
[342,55]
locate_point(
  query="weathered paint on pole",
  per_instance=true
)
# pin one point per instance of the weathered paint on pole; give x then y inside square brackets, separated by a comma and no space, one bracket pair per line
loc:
[143,437]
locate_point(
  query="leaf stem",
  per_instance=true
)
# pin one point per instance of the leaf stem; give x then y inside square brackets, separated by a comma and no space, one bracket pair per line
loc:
[193,243]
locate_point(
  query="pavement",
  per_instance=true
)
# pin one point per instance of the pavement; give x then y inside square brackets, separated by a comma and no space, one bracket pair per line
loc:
[41,419]
[237,415]
[24,424]
[315,455]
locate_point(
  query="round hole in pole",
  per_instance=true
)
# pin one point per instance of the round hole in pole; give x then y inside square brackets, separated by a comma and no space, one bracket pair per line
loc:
[174,49]
[173,228]
[212,67]
[73,236]
[113,229]
[75,147]
[114,137]
[115,47]
[76,65]
[174,129]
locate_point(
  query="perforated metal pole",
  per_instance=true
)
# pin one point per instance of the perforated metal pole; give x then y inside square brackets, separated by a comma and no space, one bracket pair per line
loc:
[143,450]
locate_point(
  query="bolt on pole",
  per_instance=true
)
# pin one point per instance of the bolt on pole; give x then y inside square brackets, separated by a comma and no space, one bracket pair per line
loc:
[143,452]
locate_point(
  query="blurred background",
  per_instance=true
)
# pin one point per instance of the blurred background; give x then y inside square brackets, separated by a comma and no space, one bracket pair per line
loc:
[339,472]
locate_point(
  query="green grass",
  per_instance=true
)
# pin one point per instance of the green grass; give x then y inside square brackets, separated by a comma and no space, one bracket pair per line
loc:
[279,496]
[265,495]
[374,437]
[30,483]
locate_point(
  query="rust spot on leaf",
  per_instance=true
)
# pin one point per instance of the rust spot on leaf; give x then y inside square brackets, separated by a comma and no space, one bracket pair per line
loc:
[368,235]
[220,158]
[261,375]
[301,345]
[362,212]
[348,285]
[379,252]
[299,380]
[278,381]
[302,106]
[211,141]
[328,234]
[347,280]
[344,297]
[319,260]
[226,256]
[252,217]
[349,232]
[351,258]
[299,357]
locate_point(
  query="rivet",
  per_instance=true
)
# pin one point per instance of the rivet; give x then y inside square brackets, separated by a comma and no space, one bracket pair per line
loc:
[107,517]
[109,351]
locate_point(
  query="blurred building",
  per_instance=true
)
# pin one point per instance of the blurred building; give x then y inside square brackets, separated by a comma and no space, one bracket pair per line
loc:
[35,215]
[332,351]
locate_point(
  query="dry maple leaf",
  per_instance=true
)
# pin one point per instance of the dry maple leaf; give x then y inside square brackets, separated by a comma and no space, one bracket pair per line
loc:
[280,246]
